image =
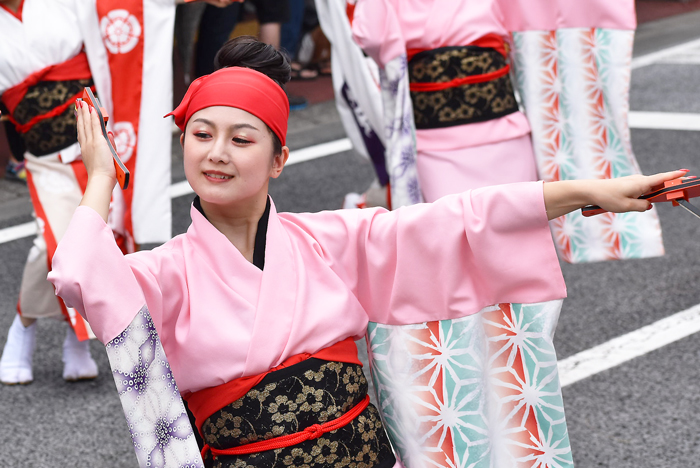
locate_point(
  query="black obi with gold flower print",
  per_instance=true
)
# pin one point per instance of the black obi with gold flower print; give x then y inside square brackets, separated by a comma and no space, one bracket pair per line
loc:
[54,133]
[286,401]
[459,85]
[42,106]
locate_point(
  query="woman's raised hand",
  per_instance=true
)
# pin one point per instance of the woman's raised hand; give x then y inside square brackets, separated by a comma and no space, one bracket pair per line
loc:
[97,159]
[95,152]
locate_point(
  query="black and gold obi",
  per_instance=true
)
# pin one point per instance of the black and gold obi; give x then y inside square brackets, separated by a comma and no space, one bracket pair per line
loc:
[459,85]
[56,132]
[305,395]
[41,107]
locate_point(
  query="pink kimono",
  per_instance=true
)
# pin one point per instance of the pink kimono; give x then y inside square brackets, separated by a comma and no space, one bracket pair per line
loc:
[462,157]
[326,275]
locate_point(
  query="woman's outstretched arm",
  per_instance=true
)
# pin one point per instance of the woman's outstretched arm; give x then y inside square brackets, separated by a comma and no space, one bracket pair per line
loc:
[97,159]
[615,195]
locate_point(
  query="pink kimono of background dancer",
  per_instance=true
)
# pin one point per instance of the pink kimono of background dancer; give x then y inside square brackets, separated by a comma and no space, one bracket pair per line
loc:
[251,303]
[461,156]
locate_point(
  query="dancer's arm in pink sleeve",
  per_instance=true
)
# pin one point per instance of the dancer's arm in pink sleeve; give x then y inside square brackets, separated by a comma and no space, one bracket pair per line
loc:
[91,275]
[108,288]
[447,259]
[376,29]
[89,271]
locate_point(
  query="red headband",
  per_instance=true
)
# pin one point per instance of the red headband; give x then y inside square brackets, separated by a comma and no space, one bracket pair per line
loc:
[238,87]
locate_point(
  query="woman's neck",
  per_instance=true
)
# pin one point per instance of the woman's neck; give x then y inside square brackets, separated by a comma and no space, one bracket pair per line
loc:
[239,223]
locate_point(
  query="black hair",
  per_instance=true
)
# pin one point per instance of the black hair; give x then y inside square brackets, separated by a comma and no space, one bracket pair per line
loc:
[247,51]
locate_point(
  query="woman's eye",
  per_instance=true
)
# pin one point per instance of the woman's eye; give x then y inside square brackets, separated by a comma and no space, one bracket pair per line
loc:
[240,141]
[201,135]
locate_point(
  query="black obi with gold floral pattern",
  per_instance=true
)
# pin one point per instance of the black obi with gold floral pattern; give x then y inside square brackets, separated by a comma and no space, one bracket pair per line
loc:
[291,399]
[486,92]
[54,133]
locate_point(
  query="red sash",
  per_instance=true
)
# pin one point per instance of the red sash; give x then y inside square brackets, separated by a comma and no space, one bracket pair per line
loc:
[492,41]
[205,402]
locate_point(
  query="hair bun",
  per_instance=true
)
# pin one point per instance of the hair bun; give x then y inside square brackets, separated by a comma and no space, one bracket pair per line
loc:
[247,51]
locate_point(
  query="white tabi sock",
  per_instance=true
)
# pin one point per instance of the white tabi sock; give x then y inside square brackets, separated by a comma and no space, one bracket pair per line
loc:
[16,361]
[77,361]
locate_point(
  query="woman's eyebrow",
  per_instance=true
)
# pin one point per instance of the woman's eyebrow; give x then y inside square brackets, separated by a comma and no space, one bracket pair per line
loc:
[233,127]
[203,120]
[242,125]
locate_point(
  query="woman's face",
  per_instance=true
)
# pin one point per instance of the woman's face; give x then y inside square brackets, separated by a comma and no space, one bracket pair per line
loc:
[228,156]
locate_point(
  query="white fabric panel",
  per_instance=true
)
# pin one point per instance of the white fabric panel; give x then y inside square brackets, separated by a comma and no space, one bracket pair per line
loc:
[349,65]
[47,35]
[151,205]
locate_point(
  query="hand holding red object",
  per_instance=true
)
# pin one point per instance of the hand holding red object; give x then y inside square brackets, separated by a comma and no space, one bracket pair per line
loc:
[677,191]
[122,172]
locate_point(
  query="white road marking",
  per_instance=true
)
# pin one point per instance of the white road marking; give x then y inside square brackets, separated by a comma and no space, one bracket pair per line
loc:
[17,232]
[627,347]
[319,151]
[654,57]
[664,120]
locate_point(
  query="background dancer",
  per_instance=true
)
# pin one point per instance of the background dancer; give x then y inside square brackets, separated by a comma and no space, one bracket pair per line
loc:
[462,142]
[49,51]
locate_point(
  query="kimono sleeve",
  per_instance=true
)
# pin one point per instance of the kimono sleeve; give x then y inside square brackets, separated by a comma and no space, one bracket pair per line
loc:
[107,288]
[535,15]
[447,259]
[376,29]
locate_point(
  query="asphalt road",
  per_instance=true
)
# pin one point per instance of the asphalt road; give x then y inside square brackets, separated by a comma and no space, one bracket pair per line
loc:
[645,413]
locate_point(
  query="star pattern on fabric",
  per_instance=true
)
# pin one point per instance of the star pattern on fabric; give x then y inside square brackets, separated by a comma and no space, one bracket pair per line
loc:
[479,391]
[574,84]
[160,429]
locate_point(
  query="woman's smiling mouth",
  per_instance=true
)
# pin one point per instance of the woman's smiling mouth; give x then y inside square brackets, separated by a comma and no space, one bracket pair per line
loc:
[217,176]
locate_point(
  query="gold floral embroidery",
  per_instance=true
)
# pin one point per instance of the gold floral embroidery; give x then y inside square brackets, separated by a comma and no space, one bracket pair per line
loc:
[476,102]
[325,392]
[55,133]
